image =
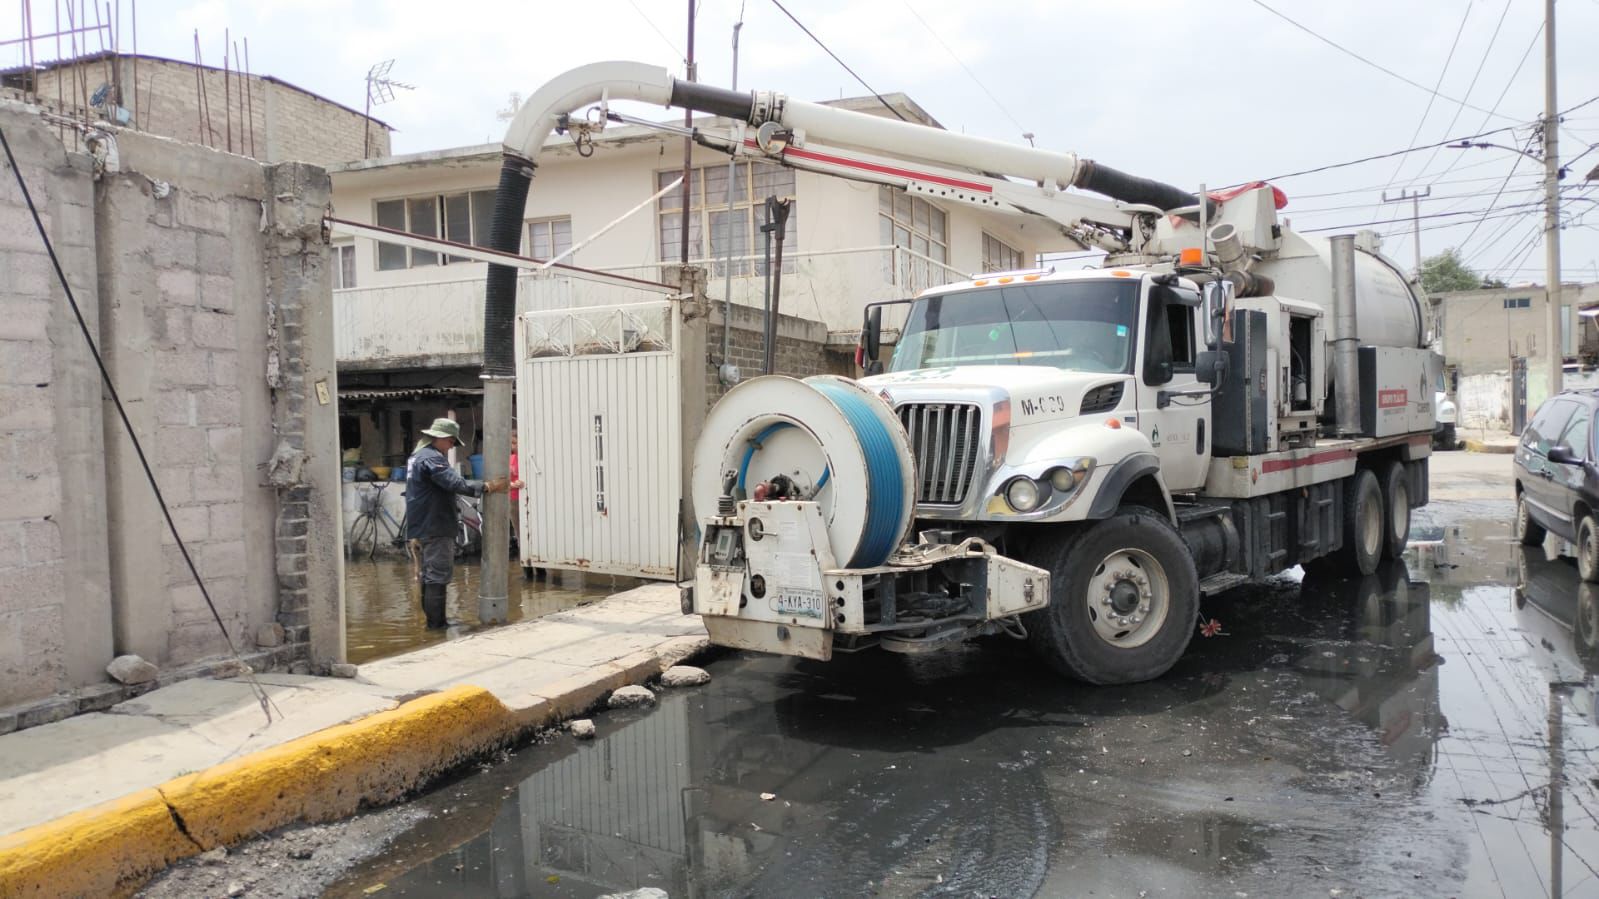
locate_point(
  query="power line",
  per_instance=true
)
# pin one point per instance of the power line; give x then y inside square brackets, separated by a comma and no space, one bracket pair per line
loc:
[1364,159]
[829,52]
[1481,64]
[1509,83]
[1433,98]
[1431,215]
[1379,67]
[650,22]
[1000,106]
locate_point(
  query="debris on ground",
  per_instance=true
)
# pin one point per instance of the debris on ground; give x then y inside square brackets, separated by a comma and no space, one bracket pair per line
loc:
[582,728]
[131,669]
[631,697]
[685,676]
[247,872]
[342,669]
[768,797]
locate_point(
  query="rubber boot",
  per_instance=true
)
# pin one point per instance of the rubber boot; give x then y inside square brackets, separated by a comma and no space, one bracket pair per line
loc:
[433,604]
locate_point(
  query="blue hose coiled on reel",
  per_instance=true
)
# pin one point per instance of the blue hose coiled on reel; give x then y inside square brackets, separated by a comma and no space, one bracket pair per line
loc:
[885,487]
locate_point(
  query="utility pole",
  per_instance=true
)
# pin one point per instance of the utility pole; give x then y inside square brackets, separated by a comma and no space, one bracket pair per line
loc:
[1551,195]
[1415,198]
[688,145]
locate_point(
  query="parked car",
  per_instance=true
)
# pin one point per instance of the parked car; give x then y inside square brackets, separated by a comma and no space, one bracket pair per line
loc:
[1557,481]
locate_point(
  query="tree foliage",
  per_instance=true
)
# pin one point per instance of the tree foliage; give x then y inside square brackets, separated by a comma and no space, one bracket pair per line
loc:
[1446,271]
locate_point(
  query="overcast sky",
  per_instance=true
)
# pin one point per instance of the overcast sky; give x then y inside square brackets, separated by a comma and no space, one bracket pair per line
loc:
[1212,92]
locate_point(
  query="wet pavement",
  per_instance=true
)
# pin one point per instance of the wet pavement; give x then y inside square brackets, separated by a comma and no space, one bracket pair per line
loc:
[383,611]
[1428,732]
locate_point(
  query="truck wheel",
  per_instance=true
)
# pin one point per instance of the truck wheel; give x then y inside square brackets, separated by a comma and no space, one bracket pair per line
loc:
[1528,532]
[1396,503]
[1588,549]
[1123,599]
[1364,530]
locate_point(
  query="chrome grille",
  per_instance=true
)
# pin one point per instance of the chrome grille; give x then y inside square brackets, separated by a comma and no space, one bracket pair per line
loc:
[944,439]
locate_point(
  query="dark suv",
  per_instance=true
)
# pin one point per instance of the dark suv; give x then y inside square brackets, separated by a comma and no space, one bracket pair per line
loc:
[1557,481]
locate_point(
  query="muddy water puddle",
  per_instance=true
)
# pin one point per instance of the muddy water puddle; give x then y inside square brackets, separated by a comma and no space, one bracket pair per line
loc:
[383,611]
[1428,731]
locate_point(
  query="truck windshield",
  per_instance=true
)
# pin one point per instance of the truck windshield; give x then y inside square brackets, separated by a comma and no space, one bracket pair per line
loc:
[1072,325]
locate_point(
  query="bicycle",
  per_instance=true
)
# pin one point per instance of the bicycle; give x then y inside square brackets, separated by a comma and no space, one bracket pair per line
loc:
[373,522]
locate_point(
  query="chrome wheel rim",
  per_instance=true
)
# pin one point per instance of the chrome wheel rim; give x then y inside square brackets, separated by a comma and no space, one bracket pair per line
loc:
[1587,548]
[1129,597]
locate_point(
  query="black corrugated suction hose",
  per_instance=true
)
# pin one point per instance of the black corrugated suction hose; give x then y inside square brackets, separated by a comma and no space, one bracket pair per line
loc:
[1102,179]
[499,297]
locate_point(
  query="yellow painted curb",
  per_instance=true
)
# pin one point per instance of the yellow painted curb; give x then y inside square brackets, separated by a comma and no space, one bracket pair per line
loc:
[1477,446]
[91,852]
[319,777]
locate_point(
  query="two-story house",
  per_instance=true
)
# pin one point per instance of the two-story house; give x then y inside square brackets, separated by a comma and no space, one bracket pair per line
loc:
[410,319]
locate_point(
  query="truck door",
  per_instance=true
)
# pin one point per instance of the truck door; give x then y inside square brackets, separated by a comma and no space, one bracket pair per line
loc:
[1180,432]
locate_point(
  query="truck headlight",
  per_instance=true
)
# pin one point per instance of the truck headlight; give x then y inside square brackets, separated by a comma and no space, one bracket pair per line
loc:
[1025,494]
[1069,477]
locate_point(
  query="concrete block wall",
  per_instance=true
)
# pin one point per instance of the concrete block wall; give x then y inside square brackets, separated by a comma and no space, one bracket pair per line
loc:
[203,277]
[802,348]
[289,124]
[55,621]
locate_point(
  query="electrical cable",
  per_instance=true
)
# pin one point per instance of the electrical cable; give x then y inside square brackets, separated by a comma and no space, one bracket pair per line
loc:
[127,425]
[1365,159]
[886,105]
[962,63]
[1510,82]
[1381,68]
[1455,44]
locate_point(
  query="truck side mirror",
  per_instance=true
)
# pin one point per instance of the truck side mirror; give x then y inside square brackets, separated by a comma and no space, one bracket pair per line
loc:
[1214,302]
[1210,367]
[872,341]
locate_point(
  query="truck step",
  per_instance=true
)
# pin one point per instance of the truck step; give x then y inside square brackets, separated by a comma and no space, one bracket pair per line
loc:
[1221,581]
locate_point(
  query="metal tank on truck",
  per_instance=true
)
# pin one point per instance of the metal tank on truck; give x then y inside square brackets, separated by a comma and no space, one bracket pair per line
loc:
[1071,458]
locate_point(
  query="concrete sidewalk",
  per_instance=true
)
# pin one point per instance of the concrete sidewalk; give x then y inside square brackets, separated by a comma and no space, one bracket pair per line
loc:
[99,802]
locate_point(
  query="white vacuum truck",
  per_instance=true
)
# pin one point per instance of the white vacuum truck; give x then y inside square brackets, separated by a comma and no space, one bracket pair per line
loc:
[1073,458]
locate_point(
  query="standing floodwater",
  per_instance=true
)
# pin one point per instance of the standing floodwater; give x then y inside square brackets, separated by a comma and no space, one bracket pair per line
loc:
[383,615]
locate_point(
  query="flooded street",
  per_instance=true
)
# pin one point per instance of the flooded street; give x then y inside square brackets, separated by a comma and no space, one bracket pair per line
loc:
[1420,733]
[383,614]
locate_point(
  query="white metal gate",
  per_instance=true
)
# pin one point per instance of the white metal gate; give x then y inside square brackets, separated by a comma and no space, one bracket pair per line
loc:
[598,420]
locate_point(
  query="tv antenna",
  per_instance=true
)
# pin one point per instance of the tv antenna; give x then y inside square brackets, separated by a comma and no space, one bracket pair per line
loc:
[379,90]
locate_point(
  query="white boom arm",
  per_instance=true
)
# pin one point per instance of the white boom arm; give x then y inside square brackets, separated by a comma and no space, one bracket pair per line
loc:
[918,158]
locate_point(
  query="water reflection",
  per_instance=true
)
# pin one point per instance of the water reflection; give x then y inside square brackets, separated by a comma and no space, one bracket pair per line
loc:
[1391,735]
[974,773]
[383,615]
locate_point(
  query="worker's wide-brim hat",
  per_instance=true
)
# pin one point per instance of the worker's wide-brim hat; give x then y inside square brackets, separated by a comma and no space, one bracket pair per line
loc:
[445,427]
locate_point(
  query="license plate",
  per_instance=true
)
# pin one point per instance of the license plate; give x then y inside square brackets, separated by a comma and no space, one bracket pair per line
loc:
[799,604]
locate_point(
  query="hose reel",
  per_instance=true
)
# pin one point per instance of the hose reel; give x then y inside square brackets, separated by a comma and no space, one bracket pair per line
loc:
[826,439]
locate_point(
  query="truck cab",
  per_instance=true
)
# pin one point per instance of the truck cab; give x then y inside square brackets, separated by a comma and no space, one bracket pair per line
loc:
[1024,391]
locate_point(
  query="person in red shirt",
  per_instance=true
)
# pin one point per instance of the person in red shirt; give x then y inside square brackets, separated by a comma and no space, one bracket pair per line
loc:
[528,571]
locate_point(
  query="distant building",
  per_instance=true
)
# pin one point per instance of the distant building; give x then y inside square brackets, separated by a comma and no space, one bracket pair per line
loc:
[409,321]
[1484,334]
[258,116]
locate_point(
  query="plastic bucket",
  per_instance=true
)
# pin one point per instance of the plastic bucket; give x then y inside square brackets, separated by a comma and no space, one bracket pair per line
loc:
[477,466]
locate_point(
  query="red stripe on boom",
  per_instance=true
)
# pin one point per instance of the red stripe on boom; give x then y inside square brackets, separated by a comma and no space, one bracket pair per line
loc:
[882,169]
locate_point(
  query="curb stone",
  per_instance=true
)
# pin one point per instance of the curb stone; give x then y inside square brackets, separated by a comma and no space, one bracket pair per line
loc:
[328,775]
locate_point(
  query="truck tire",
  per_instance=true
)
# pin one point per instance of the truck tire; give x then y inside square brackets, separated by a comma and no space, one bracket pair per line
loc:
[1364,532]
[1396,509]
[1124,598]
[1528,532]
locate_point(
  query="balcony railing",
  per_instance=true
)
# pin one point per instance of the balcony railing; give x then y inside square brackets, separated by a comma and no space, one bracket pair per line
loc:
[439,323]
